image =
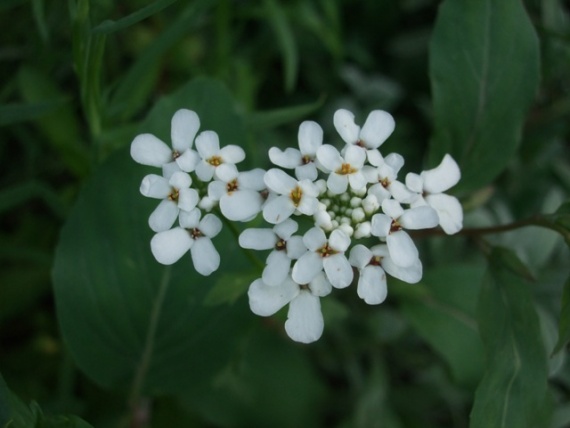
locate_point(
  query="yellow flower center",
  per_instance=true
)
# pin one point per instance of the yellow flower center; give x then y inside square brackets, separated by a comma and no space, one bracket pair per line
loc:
[215,161]
[296,195]
[345,169]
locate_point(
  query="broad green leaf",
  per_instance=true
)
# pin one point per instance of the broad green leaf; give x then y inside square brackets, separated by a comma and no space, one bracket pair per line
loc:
[285,39]
[564,322]
[444,315]
[20,112]
[512,393]
[110,26]
[127,320]
[484,69]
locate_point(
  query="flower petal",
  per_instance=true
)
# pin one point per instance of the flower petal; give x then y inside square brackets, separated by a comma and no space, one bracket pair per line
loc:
[392,208]
[320,285]
[372,285]
[403,251]
[295,247]
[155,186]
[306,172]
[381,224]
[310,137]
[355,156]
[305,322]
[314,238]
[170,245]
[232,154]
[205,257]
[277,268]
[339,240]
[360,256]
[410,274]
[278,209]
[442,177]
[183,128]
[190,219]
[423,217]
[329,157]
[208,144]
[279,181]
[265,300]
[252,179]
[378,127]
[344,124]
[188,160]
[357,181]
[285,229]
[163,216]
[288,158]
[188,199]
[205,171]
[149,150]
[241,205]
[180,180]
[210,225]
[307,267]
[337,183]
[449,211]
[257,239]
[339,271]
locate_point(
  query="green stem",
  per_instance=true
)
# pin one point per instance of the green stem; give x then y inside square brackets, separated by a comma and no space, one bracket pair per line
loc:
[235,231]
[140,406]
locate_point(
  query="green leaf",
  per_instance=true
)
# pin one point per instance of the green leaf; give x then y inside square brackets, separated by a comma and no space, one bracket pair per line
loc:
[125,318]
[110,26]
[20,112]
[135,85]
[262,120]
[513,390]
[564,322]
[444,315]
[484,68]
[285,39]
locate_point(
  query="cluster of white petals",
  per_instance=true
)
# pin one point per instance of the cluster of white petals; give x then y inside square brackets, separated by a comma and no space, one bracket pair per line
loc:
[316,214]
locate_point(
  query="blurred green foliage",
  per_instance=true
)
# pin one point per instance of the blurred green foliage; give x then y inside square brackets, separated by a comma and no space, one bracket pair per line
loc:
[81,78]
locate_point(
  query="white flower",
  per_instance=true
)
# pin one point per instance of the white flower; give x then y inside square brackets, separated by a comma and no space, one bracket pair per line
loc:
[176,195]
[147,149]
[430,186]
[343,170]
[304,160]
[373,264]
[208,146]
[378,127]
[194,235]
[285,248]
[305,322]
[238,192]
[324,254]
[293,196]
[391,225]
[383,174]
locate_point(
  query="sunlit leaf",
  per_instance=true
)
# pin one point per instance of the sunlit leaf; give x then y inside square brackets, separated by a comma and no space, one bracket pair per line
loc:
[484,69]
[513,390]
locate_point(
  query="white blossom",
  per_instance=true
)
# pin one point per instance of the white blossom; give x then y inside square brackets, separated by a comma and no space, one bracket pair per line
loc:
[176,195]
[327,254]
[212,156]
[343,171]
[285,249]
[193,234]
[147,149]
[378,127]
[292,196]
[304,161]
[430,186]
[373,264]
[390,226]
[238,192]
[305,322]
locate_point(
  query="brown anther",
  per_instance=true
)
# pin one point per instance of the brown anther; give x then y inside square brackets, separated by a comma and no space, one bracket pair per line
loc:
[360,143]
[281,245]
[345,169]
[195,233]
[175,154]
[296,195]
[306,159]
[264,194]
[395,226]
[215,161]
[375,261]
[326,251]
[174,195]
[384,182]
[232,185]
[304,286]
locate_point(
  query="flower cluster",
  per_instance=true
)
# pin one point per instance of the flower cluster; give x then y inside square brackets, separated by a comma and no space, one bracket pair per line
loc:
[318,212]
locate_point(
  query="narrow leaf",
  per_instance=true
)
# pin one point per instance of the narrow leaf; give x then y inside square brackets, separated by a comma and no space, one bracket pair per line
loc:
[513,390]
[20,112]
[110,26]
[286,41]
[484,68]
[270,119]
